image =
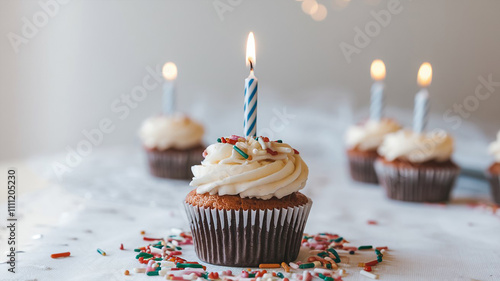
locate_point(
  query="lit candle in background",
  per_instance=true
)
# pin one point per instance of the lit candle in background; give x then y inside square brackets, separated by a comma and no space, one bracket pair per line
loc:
[251,84]
[422,98]
[377,71]
[170,74]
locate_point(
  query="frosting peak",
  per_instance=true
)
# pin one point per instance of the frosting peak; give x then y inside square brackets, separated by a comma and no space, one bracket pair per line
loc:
[369,135]
[406,145]
[250,168]
[494,148]
[177,131]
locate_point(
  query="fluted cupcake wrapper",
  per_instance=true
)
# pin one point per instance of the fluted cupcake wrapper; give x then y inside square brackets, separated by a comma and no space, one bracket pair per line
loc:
[433,184]
[362,168]
[495,186]
[247,238]
[174,164]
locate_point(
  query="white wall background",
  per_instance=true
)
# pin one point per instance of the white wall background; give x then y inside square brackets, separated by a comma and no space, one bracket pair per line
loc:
[91,52]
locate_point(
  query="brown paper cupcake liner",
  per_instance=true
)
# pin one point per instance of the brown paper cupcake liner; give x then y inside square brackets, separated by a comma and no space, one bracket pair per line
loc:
[495,186]
[174,164]
[247,238]
[362,168]
[414,184]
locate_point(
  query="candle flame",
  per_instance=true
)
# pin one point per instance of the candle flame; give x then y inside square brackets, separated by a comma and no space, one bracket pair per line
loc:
[169,71]
[425,75]
[377,70]
[250,59]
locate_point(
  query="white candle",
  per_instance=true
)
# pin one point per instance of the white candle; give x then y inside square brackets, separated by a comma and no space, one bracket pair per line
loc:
[421,110]
[251,86]
[377,71]
[170,74]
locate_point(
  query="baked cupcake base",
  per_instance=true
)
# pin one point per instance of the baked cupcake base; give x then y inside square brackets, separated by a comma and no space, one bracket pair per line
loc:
[425,182]
[493,176]
[174,163]
[233,231]
[361,165]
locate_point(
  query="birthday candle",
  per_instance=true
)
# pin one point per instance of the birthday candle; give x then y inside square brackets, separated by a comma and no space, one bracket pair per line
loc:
[170,74]
[251,85]
[377,71]
[422,98]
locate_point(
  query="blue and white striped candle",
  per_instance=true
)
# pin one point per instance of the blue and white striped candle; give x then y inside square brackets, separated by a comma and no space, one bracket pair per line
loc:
[421,111]
[250,107]
[377,103]
[251,86]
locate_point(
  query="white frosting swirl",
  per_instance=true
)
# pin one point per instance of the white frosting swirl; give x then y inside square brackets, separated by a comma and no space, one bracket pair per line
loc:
[417,148]
[177,131]
[494,148]
[370,135]
[263,175]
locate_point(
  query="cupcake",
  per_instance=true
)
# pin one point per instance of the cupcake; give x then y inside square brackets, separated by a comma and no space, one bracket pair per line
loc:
[417,167]
[173,144]
[493,172]
[362,143]
[247,208]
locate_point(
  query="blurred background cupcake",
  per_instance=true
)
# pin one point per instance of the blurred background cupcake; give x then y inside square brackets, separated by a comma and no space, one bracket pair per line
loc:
[247,209]
[493,173]
[173,144]
[417,166]
[362,140]
[173,141]
[362,143]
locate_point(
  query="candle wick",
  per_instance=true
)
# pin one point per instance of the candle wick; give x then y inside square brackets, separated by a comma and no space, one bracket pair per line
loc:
[251,64]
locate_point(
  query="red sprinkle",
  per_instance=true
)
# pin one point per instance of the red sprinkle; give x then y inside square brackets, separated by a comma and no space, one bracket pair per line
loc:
[266,139]
[368,268]
[150,239]
[121,246]
[371,263]
[372,222]
[382,248]
[223,140]
[295,150]
[205,153]
[272,152]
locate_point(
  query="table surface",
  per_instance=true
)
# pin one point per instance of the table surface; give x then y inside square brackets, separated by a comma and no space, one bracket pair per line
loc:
[110,198]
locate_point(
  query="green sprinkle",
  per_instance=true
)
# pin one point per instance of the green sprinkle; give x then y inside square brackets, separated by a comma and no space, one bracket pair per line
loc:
[322,254]
[218,140]
[257,138]
[204,275]
[279,141]
[366,247]
[251,275]
[335,254]
[329,266]
[178,248]
[280,275]
[379,259]
[192,265]
[338,239]
[153,273]
[137,250]
[144,255]
[328,279]
[321,276]
[158,259]
[377,251]
[306,265]
[243,154]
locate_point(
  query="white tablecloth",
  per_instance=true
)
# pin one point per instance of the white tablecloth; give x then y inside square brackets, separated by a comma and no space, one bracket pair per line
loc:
[110,198]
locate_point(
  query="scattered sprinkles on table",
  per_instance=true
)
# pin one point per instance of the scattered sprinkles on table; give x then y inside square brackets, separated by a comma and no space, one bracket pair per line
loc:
[326,257]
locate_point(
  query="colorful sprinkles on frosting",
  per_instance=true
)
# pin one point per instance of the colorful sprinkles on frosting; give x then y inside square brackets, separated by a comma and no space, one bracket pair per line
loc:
[163,258]
[240,146]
